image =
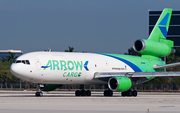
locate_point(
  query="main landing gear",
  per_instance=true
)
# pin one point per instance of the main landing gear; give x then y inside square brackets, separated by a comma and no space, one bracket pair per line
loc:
[108,93]
[38,93]
[129,93]
[82,92]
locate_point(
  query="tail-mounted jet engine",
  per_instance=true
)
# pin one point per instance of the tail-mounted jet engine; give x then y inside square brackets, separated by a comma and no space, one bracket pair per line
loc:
[158,49]
[119,84]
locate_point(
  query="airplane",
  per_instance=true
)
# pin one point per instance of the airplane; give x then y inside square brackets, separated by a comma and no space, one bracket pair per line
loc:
[121,73]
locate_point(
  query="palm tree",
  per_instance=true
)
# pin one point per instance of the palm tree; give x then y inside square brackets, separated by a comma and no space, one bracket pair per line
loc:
[11,57]
[131,51]
[71,49]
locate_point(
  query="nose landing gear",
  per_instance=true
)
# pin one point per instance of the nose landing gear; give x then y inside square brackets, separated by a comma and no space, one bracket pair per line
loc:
[38,92]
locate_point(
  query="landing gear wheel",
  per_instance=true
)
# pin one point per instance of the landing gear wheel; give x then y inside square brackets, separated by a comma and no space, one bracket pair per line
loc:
[39,94]
[134,93]
[77,93]
[124,93]
[129,93]
[83,93]
[105,93]
[108,93]
[88,93]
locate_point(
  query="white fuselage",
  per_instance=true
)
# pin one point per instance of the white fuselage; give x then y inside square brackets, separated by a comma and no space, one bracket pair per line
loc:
[65,67]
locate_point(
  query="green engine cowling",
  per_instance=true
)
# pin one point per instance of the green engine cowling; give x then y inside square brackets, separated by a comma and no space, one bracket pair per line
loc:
[119,84]
[49,87]
[158,49]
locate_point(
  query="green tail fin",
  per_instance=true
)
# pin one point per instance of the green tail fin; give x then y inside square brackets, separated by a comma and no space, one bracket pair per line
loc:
[160,30]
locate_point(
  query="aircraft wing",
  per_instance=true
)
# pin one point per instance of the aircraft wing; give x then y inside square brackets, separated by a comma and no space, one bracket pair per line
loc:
[136,74]
[167,65]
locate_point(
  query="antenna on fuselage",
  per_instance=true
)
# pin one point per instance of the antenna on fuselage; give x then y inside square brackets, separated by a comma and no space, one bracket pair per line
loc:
[48,50]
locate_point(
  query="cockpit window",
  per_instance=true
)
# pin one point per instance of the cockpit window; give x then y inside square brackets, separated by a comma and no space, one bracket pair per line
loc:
[22,61]
[14,61]
[27,62]
[18,61]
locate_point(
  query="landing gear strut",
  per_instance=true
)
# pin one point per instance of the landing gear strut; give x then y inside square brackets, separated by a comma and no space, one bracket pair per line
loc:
[38,93]
[82,92]
[129,93]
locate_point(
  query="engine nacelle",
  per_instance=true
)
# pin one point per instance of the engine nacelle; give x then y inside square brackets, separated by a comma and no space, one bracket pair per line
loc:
[119,84]
[49,87]
[148,47]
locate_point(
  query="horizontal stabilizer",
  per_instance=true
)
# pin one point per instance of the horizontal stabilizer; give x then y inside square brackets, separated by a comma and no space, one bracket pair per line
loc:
[167,66]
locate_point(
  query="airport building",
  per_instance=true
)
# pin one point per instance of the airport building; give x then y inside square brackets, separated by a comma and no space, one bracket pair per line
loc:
[174,27]
[4,53]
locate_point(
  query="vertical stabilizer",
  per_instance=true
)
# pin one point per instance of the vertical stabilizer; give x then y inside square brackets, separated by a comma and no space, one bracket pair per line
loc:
[160,30]
[157,45]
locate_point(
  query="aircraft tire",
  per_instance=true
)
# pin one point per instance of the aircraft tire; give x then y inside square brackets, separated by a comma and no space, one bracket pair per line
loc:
[38,94]
[41,94]
[129,93]
[134,93]
[105,93]
[77,93]
[88,93]
[108,93]
[83,93]
[124,93]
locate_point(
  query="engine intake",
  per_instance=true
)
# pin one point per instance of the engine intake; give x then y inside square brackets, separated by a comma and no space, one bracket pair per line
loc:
[139,45]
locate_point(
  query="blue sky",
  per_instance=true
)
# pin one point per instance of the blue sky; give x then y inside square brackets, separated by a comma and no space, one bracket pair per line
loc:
[101,26]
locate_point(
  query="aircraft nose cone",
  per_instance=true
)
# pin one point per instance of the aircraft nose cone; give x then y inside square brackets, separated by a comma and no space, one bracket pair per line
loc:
[19,71]
[14,69]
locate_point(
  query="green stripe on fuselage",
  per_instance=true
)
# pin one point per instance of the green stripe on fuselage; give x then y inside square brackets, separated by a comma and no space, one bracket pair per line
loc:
[145,63]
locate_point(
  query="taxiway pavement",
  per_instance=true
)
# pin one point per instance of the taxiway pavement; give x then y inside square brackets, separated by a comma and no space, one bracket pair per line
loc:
[97,103]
